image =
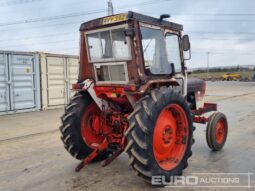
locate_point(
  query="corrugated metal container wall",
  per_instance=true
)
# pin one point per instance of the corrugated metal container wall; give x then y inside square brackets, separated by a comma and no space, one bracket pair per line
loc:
[58,72]
[19,82]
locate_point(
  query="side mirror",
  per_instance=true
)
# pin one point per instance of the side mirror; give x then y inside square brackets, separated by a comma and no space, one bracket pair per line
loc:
[186,47]
[185,43]
[129,32]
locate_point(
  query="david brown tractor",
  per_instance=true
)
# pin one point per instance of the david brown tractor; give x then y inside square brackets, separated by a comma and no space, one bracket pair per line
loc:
[133,95]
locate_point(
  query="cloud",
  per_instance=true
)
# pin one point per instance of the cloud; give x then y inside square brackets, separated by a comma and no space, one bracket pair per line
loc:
[202,20]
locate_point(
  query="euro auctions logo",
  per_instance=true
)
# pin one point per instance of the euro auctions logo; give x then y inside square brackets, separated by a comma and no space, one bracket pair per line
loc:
[175,180]
[206,180]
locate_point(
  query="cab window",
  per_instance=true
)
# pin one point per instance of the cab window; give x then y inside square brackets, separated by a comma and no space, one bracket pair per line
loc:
[109,44]
[154,51]
[173,51]
[160,51]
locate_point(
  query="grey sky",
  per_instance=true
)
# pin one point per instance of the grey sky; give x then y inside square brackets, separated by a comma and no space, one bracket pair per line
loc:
[225,28]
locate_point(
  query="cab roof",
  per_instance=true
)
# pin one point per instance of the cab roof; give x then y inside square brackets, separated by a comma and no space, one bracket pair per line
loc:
[124,17]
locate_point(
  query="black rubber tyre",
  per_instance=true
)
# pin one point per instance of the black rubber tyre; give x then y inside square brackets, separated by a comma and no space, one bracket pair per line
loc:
[211,131]
[141,130]
[71,128]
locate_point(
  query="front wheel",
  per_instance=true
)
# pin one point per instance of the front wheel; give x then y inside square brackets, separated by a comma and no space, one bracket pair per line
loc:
[216,131]
[160,135]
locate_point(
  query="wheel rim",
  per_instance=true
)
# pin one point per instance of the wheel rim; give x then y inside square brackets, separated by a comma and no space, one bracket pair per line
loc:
[220,131]
[90,126]
[170,136]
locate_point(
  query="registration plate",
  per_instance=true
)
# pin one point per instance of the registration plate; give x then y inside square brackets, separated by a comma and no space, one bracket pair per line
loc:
[115,19]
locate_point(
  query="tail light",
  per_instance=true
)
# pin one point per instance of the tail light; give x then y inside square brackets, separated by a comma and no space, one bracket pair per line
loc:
[131,88]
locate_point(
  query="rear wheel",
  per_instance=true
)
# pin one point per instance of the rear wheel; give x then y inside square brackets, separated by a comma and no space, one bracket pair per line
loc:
[160,135]
[80,127]
[216,131]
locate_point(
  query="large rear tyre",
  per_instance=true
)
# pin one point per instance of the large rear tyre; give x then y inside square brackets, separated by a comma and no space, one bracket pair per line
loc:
[77,129]
[160,135]
[217,131]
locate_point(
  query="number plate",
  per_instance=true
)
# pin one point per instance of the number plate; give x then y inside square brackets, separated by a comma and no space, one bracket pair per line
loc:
[115,19]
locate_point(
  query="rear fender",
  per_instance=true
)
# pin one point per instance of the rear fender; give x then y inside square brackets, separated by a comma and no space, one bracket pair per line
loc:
[88,86]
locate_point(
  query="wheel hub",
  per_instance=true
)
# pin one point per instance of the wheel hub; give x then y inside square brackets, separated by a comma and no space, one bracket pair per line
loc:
[170,130]
[90,126]
[167,135]
[220,132]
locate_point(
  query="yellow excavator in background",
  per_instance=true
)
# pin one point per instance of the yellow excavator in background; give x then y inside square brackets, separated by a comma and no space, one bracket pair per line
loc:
[230,76]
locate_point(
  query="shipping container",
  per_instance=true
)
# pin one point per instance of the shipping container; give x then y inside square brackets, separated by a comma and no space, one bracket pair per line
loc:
[19,82]
[30,81]
[58,73]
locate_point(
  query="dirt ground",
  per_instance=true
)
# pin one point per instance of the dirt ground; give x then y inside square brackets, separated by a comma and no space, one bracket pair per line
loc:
[32,156]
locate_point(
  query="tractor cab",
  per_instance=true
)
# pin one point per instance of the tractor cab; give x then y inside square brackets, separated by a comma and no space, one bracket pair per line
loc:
[133,52]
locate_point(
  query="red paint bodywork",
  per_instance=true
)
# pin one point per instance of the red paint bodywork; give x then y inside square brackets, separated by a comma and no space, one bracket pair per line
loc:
[112,123]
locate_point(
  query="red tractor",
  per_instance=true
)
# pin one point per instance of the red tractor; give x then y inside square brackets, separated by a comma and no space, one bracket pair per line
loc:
[133,95]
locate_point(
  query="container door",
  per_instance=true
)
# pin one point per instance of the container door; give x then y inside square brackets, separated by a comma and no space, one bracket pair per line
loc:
[72,74]
[22,82]
[56,80]
[4,84]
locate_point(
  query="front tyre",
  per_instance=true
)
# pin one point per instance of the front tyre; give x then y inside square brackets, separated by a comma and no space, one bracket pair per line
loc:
[216,131]
[160,135]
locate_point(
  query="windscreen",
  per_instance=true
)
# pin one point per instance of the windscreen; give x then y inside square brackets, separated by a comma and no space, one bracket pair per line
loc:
[108,44]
